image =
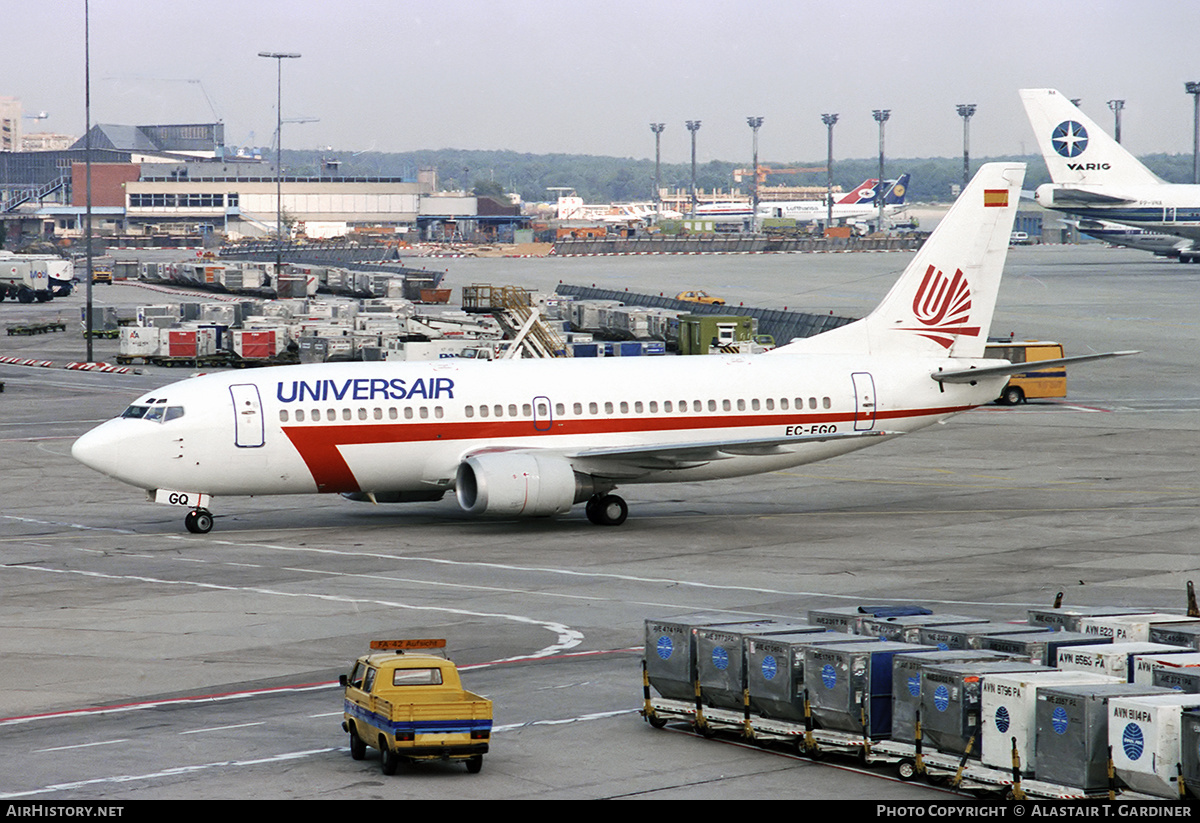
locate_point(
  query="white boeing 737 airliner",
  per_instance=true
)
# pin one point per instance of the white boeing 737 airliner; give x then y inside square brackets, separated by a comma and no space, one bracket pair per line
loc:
[534,437]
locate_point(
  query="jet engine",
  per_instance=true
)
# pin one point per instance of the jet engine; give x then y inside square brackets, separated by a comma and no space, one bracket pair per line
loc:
[519,484]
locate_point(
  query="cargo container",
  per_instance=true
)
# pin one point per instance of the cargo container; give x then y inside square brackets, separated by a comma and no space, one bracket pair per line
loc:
[970,635]
[951,696]
[1116,659]
[720,658]
[1072,732]
[1008,709]
[850,685]
[1067,618]
[1122,628]
[906,684]
[850,618]
[1145,735]
[1040,647]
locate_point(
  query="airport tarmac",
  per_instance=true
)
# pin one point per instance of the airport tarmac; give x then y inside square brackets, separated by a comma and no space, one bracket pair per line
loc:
[145,662]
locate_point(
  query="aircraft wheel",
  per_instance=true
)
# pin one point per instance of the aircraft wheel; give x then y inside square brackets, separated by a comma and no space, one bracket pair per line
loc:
[607,510]
[198,521]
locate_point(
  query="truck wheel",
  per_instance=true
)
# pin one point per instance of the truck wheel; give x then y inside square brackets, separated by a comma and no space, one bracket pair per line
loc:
[358,749]
[389,761]
[475,764]
[1012,395]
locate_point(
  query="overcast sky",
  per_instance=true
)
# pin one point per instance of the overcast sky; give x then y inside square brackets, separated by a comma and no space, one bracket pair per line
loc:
[589,77]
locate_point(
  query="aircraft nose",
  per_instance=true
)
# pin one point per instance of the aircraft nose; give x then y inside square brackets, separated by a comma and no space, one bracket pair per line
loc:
[99,449]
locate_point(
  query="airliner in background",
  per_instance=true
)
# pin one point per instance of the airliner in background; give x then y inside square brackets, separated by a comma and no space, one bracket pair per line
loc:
[859,201]
[855,207]
[519,438]
[1095,178]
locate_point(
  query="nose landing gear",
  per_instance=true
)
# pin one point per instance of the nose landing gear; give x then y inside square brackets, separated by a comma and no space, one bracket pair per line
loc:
[198,521]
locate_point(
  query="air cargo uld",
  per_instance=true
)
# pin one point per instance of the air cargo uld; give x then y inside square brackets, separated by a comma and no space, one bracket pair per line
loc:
[518,438]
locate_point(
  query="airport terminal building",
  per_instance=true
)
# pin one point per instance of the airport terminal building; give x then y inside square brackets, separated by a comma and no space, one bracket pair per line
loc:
[176,181]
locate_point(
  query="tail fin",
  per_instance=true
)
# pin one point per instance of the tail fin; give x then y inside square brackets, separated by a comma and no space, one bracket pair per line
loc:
[864,192]
[895,193]
[1077,151]
[943,302]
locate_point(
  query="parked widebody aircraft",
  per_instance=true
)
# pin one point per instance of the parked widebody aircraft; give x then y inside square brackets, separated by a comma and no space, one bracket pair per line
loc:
[1118,234]
[534,437]
[857,206]
[1095,178]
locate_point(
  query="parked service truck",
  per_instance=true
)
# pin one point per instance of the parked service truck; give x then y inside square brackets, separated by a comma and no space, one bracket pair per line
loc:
[410,704]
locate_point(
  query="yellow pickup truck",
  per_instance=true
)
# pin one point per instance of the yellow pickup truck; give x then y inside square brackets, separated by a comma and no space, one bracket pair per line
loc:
[410,704]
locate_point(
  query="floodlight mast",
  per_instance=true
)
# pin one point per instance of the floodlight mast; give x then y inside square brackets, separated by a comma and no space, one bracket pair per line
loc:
[278,57]
[965,110]
[881,116]
[829,120]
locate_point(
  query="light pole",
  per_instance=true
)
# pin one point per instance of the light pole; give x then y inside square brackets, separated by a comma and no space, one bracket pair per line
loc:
[1116,106]
[657,128]
[1194,90]
[693,126]
[278,57]
[881,116]
[829,120]
[87,159]
[754,123]
[965,110]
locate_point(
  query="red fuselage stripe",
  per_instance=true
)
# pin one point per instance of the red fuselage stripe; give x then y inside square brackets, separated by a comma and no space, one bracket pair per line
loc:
[318,445]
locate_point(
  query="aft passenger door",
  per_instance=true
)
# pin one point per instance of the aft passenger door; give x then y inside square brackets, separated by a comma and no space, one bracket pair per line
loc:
[864,401]
[247,416]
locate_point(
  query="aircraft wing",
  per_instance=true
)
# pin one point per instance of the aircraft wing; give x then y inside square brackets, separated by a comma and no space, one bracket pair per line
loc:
[971,375]
[623,462]
[1066,194]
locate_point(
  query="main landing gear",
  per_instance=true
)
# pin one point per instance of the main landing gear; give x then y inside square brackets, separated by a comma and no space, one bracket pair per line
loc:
[607,510]
[199,521]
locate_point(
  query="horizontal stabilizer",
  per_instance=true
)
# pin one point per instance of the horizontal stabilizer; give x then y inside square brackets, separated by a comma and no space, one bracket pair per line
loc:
[1063,194]
[971,375]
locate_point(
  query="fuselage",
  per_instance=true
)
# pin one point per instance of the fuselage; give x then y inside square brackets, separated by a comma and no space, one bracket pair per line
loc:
[1167,208]
[376,427]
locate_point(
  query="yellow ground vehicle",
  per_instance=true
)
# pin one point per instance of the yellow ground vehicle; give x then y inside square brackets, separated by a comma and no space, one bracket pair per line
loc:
[102,274]
[1047,382]
[411,706]
[699,297]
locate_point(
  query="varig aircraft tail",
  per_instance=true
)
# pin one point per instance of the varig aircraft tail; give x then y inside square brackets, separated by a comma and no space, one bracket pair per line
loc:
[943,302]
[1077,151]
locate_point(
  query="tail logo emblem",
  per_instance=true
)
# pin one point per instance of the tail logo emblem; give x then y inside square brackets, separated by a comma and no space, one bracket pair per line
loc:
[943,305]
[1069,138]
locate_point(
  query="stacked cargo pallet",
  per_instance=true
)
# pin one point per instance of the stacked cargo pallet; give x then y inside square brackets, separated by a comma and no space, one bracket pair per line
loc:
[1031,707]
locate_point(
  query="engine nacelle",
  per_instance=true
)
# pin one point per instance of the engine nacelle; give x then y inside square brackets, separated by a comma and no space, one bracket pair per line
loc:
[519,484]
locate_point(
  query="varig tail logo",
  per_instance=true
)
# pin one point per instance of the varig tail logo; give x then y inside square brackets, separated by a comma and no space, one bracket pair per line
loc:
[1069,138]
[942,306]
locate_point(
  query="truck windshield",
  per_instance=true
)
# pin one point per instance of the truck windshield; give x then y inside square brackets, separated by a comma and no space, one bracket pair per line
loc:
[417,677]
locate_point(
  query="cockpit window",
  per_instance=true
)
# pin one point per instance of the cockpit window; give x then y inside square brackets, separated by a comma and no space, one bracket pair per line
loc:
[157,413]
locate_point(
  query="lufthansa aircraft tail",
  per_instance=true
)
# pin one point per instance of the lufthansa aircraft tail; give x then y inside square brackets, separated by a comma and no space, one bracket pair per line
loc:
[1077,151]
[942,305]
[895,193]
